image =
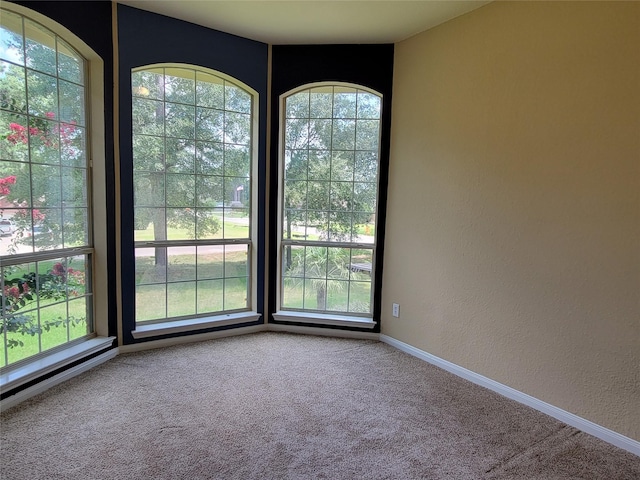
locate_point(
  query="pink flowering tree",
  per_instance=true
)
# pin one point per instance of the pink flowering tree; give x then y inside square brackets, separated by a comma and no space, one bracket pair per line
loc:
[21,139]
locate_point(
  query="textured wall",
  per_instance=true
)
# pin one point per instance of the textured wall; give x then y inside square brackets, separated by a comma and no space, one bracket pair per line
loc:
[513,226]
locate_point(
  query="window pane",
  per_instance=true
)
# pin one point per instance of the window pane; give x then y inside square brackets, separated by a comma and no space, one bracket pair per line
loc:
[180,120]
[77,313]
[237,161]
[298,105]
[14,100]
[235,261]
[179,85]
[297,134]
[181,190]
[235,293]
[74,181]
[236,100]
[70,64]
[148,153]
[368,105]
[151,265]
[367,135]
[181,223]
[209,190]
[180,155]
[149,190]
[210,296]
[295,166]
[42,94]
[337,295]
[40,48]
[344,102]
[236,223]
[44,142]
[366,166]
[181,299]
[210,262]
[209,124]
[319,165]
[151,302]
[320,134]
[344,132]
[209,158]
[237,193]
[11,40]
[237,128]
[321,102]
[318,195]
[71,103]
[181,265]
[149,224]
[75,225]
[72,145]
[148,83]
[209,91]
[15,146]
[342,164]
[147,116]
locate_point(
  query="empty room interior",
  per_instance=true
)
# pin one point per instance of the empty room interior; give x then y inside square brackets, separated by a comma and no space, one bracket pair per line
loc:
[450,189]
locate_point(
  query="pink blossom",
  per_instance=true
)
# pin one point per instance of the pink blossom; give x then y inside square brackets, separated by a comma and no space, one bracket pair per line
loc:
[12,291]
[50,115]
[4,184]
[58,269]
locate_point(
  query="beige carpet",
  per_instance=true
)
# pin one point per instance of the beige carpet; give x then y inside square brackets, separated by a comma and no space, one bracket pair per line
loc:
[276,406]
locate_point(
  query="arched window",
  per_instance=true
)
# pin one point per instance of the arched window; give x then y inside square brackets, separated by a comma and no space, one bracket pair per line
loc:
[330,146]
[46,243]
[193,159]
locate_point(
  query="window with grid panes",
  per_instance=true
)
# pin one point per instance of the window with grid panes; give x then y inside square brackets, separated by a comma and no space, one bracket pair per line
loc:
[192,156]
[46,246]
[329,183]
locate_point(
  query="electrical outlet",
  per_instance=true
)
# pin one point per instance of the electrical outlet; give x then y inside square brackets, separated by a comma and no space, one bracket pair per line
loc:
[396,310]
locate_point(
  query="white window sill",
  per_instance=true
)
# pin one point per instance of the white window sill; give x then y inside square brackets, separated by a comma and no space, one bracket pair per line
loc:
[324,319]
[179,326]
[33,370]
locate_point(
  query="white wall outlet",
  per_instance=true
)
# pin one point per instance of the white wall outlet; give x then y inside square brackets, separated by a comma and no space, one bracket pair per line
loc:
[396,310]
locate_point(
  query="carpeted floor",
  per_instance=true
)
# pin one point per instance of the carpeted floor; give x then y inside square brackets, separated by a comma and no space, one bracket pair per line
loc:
[282,406]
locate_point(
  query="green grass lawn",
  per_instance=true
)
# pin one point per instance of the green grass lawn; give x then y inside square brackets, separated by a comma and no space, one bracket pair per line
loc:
[229,230]
[183,288]
[342,296]
[59,335]
[51,310]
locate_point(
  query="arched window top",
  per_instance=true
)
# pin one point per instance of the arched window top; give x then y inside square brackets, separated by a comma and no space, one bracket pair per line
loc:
[192,85]
[53,69]
[333,100]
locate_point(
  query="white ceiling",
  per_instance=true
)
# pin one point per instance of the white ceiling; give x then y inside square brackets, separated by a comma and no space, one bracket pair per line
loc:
[312,21]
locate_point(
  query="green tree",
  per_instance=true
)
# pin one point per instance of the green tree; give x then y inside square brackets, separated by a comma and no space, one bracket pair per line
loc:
[166,123]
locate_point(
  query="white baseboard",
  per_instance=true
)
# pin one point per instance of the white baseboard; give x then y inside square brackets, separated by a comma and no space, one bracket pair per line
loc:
[44,385]
[323,332]
[569,418]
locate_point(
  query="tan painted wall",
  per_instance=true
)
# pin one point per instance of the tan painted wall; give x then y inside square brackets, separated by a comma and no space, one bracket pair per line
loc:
[513,230]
